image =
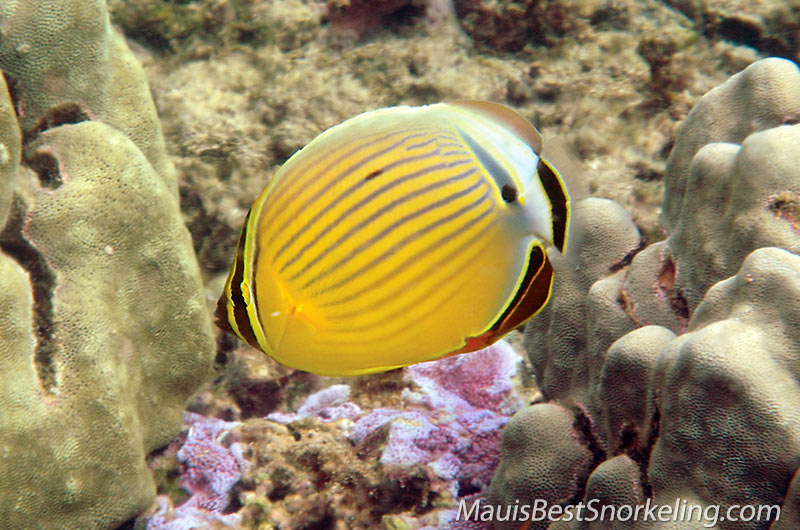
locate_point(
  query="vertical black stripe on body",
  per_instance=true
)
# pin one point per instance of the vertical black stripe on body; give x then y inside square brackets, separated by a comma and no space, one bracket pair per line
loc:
[532,294]
[383,211]
[406,240]
[221,312]
[559,202]
[233,297]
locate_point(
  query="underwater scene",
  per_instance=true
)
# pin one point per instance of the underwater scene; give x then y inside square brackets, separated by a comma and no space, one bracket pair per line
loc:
[400,264]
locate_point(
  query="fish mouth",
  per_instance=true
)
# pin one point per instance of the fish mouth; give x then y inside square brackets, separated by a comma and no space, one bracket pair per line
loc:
[221,314]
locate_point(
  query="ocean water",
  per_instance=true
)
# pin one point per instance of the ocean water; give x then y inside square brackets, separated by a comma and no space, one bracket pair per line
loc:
[239,86]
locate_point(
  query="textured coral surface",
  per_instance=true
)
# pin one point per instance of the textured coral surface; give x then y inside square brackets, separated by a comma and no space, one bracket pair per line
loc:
[676,367]
[104,332]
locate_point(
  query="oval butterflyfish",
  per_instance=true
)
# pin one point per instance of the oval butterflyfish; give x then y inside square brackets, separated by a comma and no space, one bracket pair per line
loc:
[402,235]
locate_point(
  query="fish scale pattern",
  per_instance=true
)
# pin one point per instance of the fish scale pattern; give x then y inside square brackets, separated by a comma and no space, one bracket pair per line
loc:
[104,332]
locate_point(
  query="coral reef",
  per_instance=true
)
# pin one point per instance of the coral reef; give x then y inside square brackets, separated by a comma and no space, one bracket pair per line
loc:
[68,64]
[607,243]
[510,26]
[243,84]
[354,18]
[544,457]
[771,27]
[329,404]
[790,513]
[681,381]
[209,471]
[192,29]
[738,421]
[463,403]
[761,97]
[10,146]
[716,211]
[339,461]
[104,331]
[168,25]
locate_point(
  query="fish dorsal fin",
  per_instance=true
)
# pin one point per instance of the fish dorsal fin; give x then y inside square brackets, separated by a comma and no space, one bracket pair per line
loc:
[504,115]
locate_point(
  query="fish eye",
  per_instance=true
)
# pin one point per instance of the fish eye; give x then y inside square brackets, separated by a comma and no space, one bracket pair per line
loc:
[509,193]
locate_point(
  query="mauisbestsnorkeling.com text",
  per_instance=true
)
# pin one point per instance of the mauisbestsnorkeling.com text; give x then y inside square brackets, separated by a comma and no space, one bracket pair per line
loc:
[591,511]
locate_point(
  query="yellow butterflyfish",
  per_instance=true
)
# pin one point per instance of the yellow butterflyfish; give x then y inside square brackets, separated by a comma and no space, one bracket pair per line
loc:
[402,235]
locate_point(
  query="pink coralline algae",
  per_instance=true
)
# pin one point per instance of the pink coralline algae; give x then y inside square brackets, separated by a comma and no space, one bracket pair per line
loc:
[462,383]
[453,422]
[328,404]
[209,471]
[448,427]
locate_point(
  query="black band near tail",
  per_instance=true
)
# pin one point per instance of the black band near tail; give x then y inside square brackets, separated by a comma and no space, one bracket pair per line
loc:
[235,297]
[532,294]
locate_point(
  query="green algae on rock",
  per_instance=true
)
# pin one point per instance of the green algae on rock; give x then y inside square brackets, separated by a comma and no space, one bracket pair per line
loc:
[771,27]
[104,330]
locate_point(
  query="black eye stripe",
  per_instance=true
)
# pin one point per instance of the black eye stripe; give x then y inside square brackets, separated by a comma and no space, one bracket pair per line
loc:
[495,170]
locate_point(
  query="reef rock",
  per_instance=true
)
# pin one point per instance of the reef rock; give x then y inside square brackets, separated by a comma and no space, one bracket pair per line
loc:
[210,466]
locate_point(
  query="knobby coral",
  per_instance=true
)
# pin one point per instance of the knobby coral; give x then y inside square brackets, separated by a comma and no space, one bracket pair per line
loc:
[104,331]
[671,374]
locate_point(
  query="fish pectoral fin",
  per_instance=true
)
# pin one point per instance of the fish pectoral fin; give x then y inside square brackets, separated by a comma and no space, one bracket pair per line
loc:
[308,314]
